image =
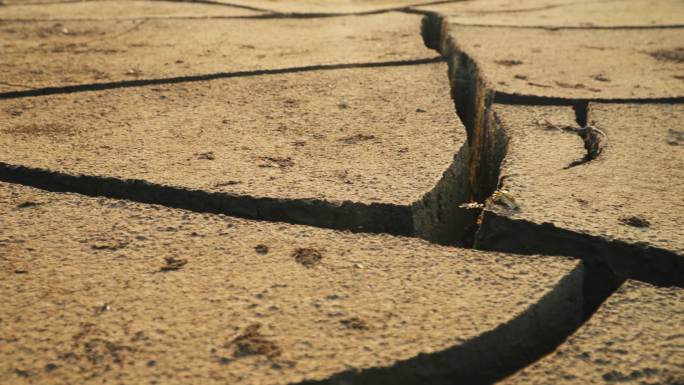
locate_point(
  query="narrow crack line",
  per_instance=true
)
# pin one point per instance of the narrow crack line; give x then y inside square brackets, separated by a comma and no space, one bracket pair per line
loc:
[219,3]
[358,217]
[206,77]
[538,100]
[115,36]
[571,27]
[535,9]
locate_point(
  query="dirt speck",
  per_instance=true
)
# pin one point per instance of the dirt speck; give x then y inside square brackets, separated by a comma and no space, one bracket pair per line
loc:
[309,257]
[26,204]
[276,162]
[47,129]
[508,62]
[251,342]
[173,264]
[261,249]
[601,78]
[354,323]
[674,55]
[358,138]
[206,155]
[635,221]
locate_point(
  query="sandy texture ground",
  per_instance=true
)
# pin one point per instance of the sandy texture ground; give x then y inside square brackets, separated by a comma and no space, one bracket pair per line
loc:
[335,114]
[562,14]
[634,338]
[52,54]
[99,290]
[594,64]
[112,10]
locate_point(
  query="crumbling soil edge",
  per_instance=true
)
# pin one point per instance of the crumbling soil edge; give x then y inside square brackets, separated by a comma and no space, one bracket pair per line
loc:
[351,216]
[498,353]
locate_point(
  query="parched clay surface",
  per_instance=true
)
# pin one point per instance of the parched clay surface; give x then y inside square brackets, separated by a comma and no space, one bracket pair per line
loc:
[112,10]
[122,50]
[589,64]
[634,338]
[363,135]
[631,181]
[563,14]
[89,297]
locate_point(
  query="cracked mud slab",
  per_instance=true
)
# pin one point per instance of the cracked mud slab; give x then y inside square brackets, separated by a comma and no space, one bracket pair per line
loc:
[112,10]
[53,54]
[590,64]
[562,14]
[364,135]
[99,290]
[627,197]
[634,338]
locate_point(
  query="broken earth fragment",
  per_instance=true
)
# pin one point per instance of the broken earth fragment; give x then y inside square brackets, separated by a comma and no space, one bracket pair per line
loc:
[503,198]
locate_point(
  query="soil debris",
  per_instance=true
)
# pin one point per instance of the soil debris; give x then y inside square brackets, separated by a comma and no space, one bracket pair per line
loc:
[635,221]
[206,155]
[276,162]
[26,204]
[354,323]
[675,137]
[251,342]
[508,62]
[354,139]
[674,55]
[173,264]
[504,198]
[261,249]
[309,257]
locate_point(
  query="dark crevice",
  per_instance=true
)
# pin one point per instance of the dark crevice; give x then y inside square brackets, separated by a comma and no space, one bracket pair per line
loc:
[351,216]
[206,77]
[488,145]
[536,100]
[572,27]
[594,142]
[627,260]
[581,109]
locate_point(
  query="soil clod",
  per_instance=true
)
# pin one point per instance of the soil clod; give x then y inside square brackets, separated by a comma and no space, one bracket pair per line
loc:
[308,257]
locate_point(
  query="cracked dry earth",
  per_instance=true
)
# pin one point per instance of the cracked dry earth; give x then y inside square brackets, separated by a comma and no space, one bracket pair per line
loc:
[341,192]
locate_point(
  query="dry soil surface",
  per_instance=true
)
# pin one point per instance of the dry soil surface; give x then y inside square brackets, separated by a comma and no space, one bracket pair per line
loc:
[99,290]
